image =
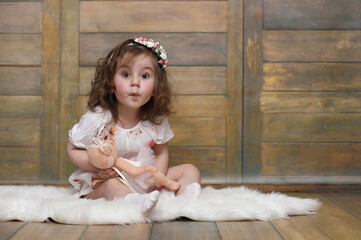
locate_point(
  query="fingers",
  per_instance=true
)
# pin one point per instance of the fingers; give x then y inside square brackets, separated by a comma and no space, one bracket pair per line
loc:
[107,173]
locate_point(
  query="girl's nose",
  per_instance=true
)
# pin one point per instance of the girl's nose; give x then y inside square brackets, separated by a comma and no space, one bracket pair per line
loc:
[135,82]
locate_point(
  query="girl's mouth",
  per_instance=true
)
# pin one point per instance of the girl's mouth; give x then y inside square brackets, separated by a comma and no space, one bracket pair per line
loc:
[134,95]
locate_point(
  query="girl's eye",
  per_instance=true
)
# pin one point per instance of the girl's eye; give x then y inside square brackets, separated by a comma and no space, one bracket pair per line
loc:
[144,76]
[125,74]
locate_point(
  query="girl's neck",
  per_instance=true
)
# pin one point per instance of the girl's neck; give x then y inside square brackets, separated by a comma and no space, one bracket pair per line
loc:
[128,118]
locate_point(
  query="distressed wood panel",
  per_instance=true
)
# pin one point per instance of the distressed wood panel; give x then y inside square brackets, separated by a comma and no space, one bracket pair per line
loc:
[20,17]
[50,230]
[305,102]
[235,90]
[311,128]
[186,80]
[252,85]
[210,161]
[312,76]
[247,230]
[69,51]
[185,106]
[211,48]
[200,106]
[314,46]
[50,90]
[130,231]
[333,220]
[20,49]
[198,131]
[21,106]
[311,14]
[19,163]
[351,201]
[20,132]
[185,230]
[311,158]
[20,80]
[199,79]
[295,228]
[161,16]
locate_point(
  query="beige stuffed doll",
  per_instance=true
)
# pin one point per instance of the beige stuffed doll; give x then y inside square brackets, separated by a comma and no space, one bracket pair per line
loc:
[103,155]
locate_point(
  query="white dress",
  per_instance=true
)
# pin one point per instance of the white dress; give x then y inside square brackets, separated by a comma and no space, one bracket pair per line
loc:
[136,142]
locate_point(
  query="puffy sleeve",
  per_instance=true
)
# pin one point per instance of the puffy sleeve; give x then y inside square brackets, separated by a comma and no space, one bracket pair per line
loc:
[163,132]
[90,125]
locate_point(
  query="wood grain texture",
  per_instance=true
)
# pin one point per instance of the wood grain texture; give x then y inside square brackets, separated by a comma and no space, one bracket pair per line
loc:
[68,80]
[161,16]
[350,201]
[235,90]
[311,14]
[185,230]
[333,220]
[198,131]
[247,230]
[20,49]
[211,161]
[8,228]
[20,132]
[311,158]
[20,17]
[306,102]
[199,79]
[20,80]
[135,231]
[200,106]
[211,48]
[184,106]
[312,46]
[311,128]
[21,106]
[252,78]
[19,163]
[49,231]
[295,228]
[312,76]
[186,80]
[50,90]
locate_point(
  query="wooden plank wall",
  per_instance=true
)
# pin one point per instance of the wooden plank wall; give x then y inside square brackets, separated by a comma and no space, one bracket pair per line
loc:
[48,52]
[288,113]
[21,102]
[302,69]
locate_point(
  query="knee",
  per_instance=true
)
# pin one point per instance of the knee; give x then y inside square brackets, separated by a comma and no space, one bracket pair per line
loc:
[110,184]
[193,171]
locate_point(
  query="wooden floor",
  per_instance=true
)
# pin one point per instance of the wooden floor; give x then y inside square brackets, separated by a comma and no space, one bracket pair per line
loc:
[339,218]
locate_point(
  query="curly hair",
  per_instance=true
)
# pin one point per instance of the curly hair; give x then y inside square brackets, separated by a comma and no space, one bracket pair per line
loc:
[102,85]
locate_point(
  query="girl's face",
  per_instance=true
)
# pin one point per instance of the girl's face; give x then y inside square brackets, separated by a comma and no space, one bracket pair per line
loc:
[134,82]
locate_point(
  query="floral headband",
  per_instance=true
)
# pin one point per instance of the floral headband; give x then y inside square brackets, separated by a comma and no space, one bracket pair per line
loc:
[155,47]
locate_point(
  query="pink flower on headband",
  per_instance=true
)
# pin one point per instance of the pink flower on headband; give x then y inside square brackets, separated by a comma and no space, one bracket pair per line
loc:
[155,47]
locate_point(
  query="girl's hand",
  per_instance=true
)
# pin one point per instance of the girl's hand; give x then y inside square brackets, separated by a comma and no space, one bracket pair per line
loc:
[107,173]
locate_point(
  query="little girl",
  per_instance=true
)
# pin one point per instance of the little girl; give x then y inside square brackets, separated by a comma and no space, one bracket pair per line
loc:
[129,102]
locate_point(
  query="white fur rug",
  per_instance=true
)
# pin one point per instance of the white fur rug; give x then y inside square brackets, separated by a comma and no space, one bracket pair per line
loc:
[40,203]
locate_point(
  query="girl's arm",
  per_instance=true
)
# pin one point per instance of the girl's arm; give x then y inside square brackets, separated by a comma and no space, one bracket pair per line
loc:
[79,157]
[161,157]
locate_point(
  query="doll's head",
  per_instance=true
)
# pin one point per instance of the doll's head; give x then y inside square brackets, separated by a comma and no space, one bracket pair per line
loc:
[102,153]
[103,83]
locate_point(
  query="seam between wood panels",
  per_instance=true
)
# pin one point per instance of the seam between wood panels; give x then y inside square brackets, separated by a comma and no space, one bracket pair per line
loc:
[340,205]
[150,231]
[82,234]
[274,227]
[17,230]
[216,226]
[319,229]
